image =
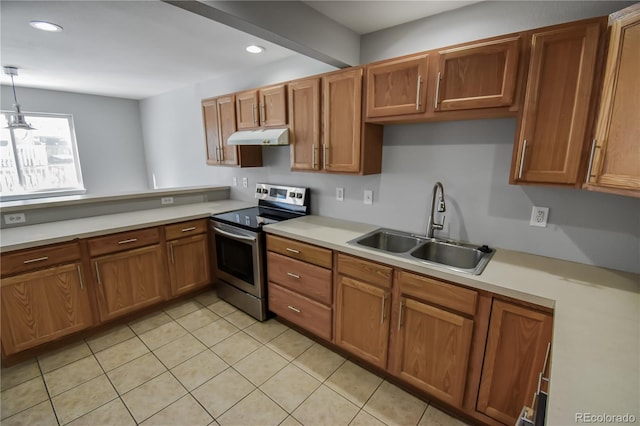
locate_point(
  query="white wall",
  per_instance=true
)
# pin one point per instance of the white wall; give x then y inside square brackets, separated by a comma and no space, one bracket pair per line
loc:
[471,158]
[108,134]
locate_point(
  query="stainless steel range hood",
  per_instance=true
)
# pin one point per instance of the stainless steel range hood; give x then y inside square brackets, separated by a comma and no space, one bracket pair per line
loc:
[260,137]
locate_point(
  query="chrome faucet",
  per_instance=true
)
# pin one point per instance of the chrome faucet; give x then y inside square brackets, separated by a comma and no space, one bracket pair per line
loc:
[432,225]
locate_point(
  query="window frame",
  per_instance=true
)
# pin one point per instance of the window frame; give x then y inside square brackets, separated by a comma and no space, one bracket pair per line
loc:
[54,192]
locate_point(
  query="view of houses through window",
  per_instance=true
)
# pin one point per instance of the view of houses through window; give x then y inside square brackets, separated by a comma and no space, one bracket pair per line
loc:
[39,162]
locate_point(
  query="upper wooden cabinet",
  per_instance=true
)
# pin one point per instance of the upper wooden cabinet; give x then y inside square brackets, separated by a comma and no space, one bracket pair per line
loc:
[517,346]
[550,139]
[615,153]
[397,86]
[219,116]
[480,75]
[304,123]
[265,107]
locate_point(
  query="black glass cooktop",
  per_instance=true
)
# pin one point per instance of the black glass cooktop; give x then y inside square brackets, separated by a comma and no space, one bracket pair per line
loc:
[253,218]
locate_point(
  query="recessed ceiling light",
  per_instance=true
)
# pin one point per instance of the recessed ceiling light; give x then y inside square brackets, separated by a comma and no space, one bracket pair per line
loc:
[255,49]
[46,26]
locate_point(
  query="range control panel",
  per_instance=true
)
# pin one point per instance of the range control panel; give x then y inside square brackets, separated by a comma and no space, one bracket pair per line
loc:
[282,194]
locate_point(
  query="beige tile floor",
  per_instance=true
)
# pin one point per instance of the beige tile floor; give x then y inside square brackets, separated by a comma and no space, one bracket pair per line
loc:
[202,362]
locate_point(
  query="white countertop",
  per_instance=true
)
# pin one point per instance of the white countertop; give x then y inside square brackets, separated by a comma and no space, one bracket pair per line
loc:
[55,232]
[596,329]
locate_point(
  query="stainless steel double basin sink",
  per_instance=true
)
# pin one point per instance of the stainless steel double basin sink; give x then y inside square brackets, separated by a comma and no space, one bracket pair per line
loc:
[468,258]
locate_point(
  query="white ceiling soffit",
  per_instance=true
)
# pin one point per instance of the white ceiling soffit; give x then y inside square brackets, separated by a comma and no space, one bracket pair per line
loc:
[364,17]
[130,49]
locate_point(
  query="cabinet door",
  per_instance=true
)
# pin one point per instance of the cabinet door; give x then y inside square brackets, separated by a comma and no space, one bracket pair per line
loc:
[432,349]
[342,93]
[247,110]
[477,76]
[211,130]
[273,106]
[616,154]
[514,356]
[304,124]
[129,280]
[362,320]
[227,123]
[558,97]
[397,86]
[41,306]
[188,263]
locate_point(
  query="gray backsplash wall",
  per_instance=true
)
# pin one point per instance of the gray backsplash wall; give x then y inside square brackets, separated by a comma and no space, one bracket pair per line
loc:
[471,158]
[108,133]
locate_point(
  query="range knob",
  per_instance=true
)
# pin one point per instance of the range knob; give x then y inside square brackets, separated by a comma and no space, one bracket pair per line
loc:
[299,195]
[292,194]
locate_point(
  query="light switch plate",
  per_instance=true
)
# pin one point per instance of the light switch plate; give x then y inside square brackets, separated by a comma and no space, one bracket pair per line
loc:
[235,181]
[539,216]
[368,196]
[340,194]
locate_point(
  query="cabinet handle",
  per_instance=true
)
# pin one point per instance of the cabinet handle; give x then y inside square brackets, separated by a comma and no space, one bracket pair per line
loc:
[418,93]
[263,113]
[171,253]
[130,240]
[384,299]
[325,155]
[400,315]
[293,275]
[593,150]
[313,156]
[524,151]
[437,91]
[293,309]
[191,228]
[293,250]
[221,155]
[217,154]
[97,272]
[80,276]
[253,113]
[38,259]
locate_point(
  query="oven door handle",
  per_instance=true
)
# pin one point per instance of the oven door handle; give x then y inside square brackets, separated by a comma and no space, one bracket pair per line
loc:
[234,236]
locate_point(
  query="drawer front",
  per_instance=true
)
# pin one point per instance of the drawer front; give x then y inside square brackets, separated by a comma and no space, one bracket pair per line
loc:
[306,313]
[123,241]
[363,270]
[301,251]
[438,292]
[185,229]
[38,258]
[304,278]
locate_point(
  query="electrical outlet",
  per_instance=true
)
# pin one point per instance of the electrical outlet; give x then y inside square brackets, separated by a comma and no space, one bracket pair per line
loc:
[235,181]
[13,218]
[368,196]
[539,216]
[340,194]
[245,182]
[166,200]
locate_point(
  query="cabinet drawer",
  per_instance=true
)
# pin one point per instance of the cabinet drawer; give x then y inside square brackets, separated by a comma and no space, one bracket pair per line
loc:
[306,313]
[363,270]
[304,278]
[438,292]
[32,259]
[123,241]
[301,251]
[185,229]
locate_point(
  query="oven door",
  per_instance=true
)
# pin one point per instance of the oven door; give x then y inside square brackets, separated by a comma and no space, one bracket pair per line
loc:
[238,257]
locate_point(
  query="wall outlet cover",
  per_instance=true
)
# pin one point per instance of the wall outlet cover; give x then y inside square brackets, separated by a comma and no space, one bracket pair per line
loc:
[340,194]
[166,200]
[539,216]
[368,196]
[235,181]
[13,218]
[245,182]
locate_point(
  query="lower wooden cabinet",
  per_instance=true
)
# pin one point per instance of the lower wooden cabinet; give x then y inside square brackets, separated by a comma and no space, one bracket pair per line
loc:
[515,353]
[41,306]
[432,349]
[129,280]
[188,252]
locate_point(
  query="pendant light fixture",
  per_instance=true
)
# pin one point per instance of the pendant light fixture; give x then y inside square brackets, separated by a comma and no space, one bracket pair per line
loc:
[17,120]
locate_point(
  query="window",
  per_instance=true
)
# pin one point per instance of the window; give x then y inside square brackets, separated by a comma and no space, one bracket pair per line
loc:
[40,162]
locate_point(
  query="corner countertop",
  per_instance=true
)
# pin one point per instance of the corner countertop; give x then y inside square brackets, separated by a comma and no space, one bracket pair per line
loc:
[596,329]
[56,232]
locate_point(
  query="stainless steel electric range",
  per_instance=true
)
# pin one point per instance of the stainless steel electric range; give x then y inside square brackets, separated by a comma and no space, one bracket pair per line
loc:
[238,248]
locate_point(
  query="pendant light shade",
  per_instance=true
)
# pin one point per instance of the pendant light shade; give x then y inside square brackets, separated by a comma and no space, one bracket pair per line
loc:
[17,120]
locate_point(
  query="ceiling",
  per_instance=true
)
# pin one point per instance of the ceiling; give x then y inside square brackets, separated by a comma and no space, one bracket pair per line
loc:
[136,49]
